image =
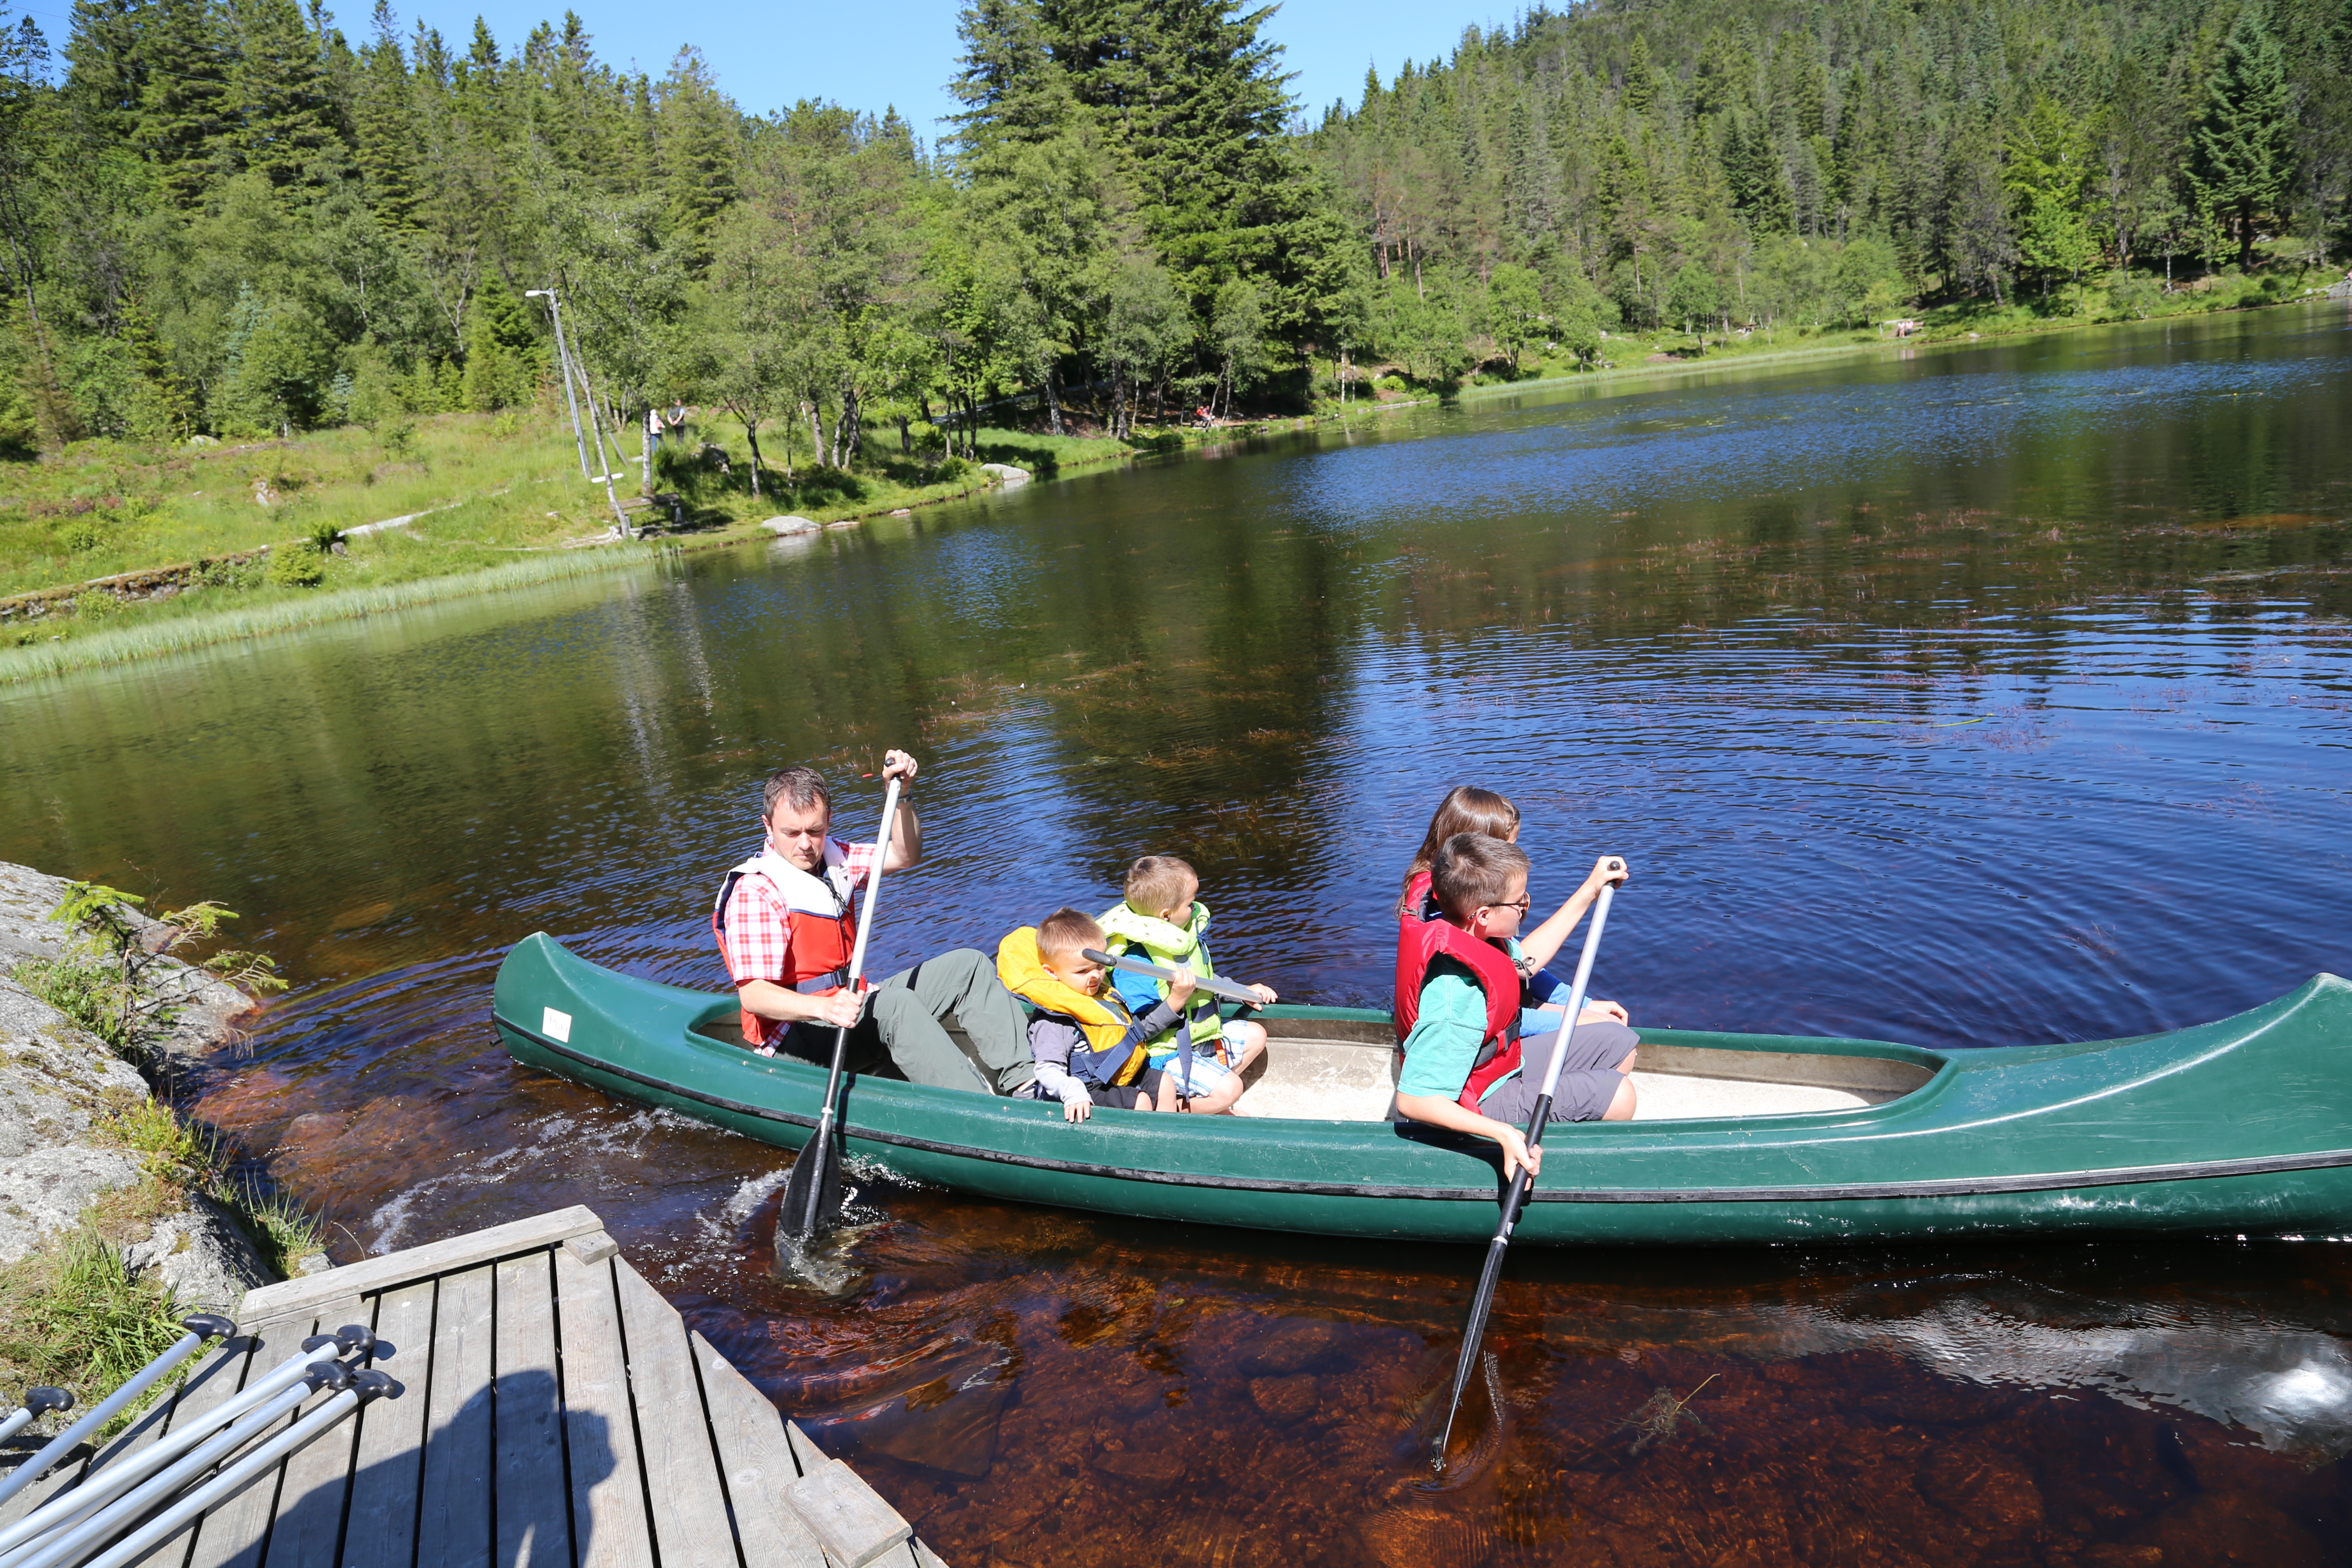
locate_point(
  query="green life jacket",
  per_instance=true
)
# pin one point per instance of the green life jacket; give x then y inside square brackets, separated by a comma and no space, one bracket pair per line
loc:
[1157,942]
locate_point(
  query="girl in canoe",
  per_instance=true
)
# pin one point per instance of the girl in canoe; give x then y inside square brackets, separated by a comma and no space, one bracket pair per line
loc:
[1466,808]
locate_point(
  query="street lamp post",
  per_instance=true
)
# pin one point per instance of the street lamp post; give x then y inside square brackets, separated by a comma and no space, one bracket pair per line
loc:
[563,358]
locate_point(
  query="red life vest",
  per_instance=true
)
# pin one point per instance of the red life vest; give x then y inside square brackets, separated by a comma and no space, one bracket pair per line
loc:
[823,925]
[1498,978]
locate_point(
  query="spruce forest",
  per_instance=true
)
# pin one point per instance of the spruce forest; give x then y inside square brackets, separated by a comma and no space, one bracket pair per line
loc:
[225,218]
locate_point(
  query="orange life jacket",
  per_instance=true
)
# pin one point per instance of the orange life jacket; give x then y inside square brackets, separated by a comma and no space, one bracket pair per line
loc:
[823,923]
[1420,938]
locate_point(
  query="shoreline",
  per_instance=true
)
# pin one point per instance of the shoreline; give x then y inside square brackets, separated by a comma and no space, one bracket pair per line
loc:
[162,636]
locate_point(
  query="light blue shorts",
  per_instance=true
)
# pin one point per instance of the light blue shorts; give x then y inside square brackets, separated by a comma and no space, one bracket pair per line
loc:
[1207,1072]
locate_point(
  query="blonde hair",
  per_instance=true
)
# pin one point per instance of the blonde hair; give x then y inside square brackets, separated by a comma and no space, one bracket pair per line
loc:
[1067,932]
[1466,808]
[1157,883]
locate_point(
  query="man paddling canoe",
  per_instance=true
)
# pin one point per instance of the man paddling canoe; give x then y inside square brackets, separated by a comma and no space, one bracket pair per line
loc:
[785,925]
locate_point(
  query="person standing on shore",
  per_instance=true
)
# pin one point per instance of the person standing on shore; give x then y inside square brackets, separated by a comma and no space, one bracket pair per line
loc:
[786,925]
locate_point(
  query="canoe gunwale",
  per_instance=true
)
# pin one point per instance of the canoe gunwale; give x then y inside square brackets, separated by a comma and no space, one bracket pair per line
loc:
[2266,1164]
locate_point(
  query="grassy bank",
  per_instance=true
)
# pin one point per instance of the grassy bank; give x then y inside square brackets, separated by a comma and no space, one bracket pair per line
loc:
[1641,356]
[497,502]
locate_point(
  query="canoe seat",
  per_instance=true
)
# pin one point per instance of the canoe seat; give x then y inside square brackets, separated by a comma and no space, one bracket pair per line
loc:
[1317,1072]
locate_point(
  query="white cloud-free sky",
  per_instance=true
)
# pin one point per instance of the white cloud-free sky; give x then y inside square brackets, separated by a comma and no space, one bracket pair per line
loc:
[868,54]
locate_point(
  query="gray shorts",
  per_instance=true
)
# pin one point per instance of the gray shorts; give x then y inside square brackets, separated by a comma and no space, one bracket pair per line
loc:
[1587,1078]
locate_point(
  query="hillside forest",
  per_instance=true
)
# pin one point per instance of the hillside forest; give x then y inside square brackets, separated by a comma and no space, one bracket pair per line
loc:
[226,218]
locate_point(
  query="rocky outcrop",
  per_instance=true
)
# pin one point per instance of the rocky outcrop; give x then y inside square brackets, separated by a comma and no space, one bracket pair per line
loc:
[61,1091]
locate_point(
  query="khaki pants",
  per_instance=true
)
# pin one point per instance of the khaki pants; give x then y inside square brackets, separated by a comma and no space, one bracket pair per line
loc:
[904,1025]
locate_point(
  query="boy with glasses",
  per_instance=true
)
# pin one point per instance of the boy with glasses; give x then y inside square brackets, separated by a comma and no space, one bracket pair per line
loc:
[1461,997]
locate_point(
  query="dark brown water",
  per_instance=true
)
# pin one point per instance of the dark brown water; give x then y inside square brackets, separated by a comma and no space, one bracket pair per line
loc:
[1976,698]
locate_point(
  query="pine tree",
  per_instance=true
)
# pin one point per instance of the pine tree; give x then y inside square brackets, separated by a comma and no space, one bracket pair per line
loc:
[2240,156]
[185,112]
[1640,90]
[384,126]
[701,143]
[288,130]
[1013,90]
[106,74]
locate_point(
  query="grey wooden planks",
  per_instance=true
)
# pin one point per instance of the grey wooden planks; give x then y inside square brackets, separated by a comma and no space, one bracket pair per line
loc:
[313,1482]
[756,1462]
[453,1519]
[397,1268]
[690,1521]
[234,1534]
[379,1526]
[609,1519]
[856,1527]
[533,1513]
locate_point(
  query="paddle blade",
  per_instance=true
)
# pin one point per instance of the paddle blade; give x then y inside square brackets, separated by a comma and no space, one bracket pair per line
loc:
[812,1190]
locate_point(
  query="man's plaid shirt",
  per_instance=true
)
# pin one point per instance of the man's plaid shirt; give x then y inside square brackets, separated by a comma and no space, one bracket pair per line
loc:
[756,936]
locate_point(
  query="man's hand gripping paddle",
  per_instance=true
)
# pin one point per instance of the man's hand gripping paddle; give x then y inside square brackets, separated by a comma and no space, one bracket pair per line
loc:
[812,1191]
[1483,1302]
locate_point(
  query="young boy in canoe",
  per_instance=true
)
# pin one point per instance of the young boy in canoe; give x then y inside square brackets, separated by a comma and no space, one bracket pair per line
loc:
[1162,920]
[1090,1049]
[1460,991]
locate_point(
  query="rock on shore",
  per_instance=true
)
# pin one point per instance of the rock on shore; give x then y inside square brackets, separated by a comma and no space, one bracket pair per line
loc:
[60,1090]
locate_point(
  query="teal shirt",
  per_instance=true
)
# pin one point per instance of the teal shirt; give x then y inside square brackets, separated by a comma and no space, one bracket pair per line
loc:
[1447,1033]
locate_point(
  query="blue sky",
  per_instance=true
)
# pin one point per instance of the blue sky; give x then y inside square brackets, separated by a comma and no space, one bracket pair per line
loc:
[869,53]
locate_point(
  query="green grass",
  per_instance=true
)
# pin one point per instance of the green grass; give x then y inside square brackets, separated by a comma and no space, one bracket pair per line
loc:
[69,1316]
[86,992]
[200,620]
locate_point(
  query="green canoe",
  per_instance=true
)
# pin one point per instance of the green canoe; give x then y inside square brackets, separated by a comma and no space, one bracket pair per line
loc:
[2241,1127]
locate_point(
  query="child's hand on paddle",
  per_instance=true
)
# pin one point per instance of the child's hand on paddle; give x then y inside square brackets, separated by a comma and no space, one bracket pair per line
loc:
[842,1009]
[1607,869]
[1515,1152]
[1265,994]
[1179,990]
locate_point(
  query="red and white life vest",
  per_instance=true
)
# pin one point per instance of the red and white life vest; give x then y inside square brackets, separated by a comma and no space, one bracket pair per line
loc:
[823,923]
[1420,941]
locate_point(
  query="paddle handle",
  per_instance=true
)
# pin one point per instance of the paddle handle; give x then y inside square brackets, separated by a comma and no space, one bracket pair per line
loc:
[1566,1033]
[1224,991]
[874,883]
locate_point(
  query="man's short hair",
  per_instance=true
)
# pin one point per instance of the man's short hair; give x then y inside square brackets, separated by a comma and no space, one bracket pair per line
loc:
[1159,882]
[1472,871]
[1066,931]
[802,787]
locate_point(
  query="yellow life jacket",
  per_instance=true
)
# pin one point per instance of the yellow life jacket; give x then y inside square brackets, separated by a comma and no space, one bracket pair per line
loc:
[1169,946]
[1104,1020]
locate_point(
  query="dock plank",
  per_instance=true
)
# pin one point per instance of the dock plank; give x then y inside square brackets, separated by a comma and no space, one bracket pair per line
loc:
[691,1522]
[454,1521]
[609,1517]
[234,1534]
[396,1268]
[253,1351]
[533,1516]
[379,1526]
[756,1462]
[307,1512]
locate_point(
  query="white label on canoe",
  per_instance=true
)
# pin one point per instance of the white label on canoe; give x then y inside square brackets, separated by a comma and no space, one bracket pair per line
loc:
[556,1026]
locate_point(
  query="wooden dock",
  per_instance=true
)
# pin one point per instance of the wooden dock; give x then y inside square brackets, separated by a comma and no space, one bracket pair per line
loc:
[556,1411]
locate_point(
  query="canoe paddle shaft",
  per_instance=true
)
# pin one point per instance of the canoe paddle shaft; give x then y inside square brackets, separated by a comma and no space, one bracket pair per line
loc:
[812,1190]
[1482,1301]
[1208,984]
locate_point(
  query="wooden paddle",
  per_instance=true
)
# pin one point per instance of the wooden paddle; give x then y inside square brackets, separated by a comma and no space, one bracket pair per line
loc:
[1207,985]
[812,1191]
[1483,1302]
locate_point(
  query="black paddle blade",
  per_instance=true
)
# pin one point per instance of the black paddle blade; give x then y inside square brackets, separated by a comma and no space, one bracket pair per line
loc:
[812,1190]
[1473,1333]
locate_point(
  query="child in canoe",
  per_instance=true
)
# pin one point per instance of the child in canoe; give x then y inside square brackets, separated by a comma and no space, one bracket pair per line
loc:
[1089,1049]
[1162,920]
[1469,809]
[1459,996]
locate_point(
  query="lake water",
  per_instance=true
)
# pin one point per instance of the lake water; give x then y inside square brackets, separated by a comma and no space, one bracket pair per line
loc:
[1973,697]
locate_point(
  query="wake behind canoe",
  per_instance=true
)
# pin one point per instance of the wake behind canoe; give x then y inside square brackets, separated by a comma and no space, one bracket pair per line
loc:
[2242,1126]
